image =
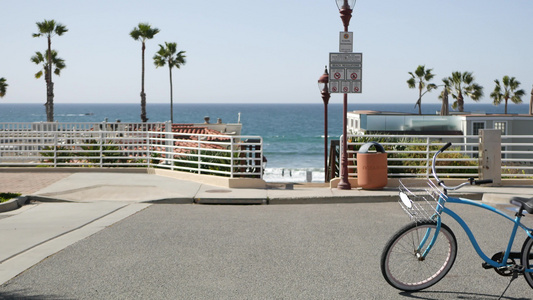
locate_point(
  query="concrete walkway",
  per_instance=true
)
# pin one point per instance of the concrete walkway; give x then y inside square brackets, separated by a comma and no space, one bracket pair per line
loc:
[149,188]
[67,207]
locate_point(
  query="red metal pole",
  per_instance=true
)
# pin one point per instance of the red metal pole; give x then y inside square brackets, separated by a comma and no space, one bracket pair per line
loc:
[344,184]
[325,141]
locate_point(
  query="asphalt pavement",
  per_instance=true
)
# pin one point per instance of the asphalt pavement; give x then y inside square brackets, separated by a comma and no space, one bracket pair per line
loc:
[78,223]
[315,251]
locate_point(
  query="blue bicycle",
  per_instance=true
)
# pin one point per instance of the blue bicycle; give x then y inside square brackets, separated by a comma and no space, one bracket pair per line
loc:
[421,253]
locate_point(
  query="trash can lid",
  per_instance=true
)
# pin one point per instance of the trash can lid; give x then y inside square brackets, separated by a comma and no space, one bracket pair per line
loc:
[366,147]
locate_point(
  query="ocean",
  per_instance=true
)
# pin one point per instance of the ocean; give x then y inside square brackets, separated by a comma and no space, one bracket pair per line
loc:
[293,134]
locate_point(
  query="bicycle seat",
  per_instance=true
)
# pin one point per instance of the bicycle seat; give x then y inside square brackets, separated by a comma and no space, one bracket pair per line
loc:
[524,203]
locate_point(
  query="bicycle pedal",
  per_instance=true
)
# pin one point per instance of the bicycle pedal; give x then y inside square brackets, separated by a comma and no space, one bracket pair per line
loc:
[486,266]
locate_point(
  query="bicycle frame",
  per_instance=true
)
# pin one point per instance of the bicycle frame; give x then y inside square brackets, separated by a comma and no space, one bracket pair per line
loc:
[473,241]
[411,248]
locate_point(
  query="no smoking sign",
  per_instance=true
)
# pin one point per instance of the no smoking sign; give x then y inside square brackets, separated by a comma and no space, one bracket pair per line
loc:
[354,74]
[338,74]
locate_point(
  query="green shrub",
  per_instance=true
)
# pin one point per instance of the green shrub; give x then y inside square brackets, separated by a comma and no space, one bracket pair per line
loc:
[110,153]
[415,167]
[61,152]
[8,196]
[206,162]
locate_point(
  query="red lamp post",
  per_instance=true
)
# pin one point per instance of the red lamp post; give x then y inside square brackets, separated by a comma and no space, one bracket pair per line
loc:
[324,91]
[345,9]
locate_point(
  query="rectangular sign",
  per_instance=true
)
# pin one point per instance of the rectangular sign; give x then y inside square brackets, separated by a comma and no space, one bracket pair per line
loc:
[345,41]
[346,72]
[345,48]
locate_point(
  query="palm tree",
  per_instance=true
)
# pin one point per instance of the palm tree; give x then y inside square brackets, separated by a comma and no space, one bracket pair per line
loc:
[509,90]
[444,111]
[3,87]
[49,28]
[43,59]
[461,85]
[167,56]
[420,79]
[143,32]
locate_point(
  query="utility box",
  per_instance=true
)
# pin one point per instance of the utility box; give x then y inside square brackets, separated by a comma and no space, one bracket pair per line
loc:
[490,155]
[372,171]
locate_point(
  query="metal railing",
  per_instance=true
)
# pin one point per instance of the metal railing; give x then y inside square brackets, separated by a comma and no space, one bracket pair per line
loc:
[107,145]
[150,145]
[517,156]
[411,155]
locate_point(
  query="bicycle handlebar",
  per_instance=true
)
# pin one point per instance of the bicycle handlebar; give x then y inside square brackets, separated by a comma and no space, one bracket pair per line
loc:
[445,147]
[470,181]
[483,181]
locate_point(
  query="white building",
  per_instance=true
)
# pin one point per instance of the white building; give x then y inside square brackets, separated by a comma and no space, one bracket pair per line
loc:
[461,124]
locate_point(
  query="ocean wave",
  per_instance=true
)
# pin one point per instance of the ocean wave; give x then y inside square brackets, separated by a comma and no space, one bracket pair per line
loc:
[74,115]
[294,175]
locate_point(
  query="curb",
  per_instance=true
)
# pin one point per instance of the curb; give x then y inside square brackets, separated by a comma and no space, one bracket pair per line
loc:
[231,201]
[13,204]
[333,200]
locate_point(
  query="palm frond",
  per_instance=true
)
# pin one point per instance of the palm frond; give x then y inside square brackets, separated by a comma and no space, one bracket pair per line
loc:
[3,87]
[143,31]
[507,89]
[49,27]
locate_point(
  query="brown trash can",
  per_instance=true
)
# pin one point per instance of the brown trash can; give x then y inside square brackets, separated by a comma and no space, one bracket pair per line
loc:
[372,172]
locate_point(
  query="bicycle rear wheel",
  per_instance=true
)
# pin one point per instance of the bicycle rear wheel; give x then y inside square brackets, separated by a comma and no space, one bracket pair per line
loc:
[526,259]
[402,265]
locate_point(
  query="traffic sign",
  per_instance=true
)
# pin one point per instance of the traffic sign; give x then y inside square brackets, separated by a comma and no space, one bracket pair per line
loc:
[345,72]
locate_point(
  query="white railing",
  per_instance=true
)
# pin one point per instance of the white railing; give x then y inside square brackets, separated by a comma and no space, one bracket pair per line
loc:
[517,155]
[136,145]
[411,155]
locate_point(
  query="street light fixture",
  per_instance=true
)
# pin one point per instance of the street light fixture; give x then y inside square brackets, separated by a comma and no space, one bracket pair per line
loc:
[324,91]
[346,8]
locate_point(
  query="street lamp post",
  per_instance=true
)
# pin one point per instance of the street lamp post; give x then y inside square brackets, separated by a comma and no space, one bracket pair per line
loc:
[324,91]
[345,9]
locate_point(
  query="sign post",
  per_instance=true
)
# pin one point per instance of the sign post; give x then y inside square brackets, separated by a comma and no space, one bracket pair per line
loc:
[346,74]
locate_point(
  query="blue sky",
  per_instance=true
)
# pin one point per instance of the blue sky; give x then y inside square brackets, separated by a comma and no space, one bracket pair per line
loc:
[262,51]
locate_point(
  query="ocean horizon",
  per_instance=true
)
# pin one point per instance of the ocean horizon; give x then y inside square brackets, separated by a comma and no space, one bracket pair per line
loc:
[293,134]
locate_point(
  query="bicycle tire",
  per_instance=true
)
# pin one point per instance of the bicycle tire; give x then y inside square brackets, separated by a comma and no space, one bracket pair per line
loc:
[402,268]
[526,259]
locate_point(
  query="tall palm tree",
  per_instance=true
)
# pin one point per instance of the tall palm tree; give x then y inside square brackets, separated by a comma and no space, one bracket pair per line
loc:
[3,87]
[509,90]
[461,85]
[43,59]
[531,103]
[48,29]
[420,79]
[167,56]
[444,111]
[143,32]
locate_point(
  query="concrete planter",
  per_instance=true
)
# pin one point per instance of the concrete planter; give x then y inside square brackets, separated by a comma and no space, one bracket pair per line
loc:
[13,204]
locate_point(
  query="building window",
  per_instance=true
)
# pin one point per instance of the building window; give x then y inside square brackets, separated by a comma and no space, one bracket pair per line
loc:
[476,153]
[476,126]
[501,126]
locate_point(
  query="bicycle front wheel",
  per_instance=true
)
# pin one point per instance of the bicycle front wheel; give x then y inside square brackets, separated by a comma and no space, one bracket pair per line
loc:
[402,261]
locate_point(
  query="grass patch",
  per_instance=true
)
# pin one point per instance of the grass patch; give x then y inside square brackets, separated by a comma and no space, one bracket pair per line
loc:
[8,196]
